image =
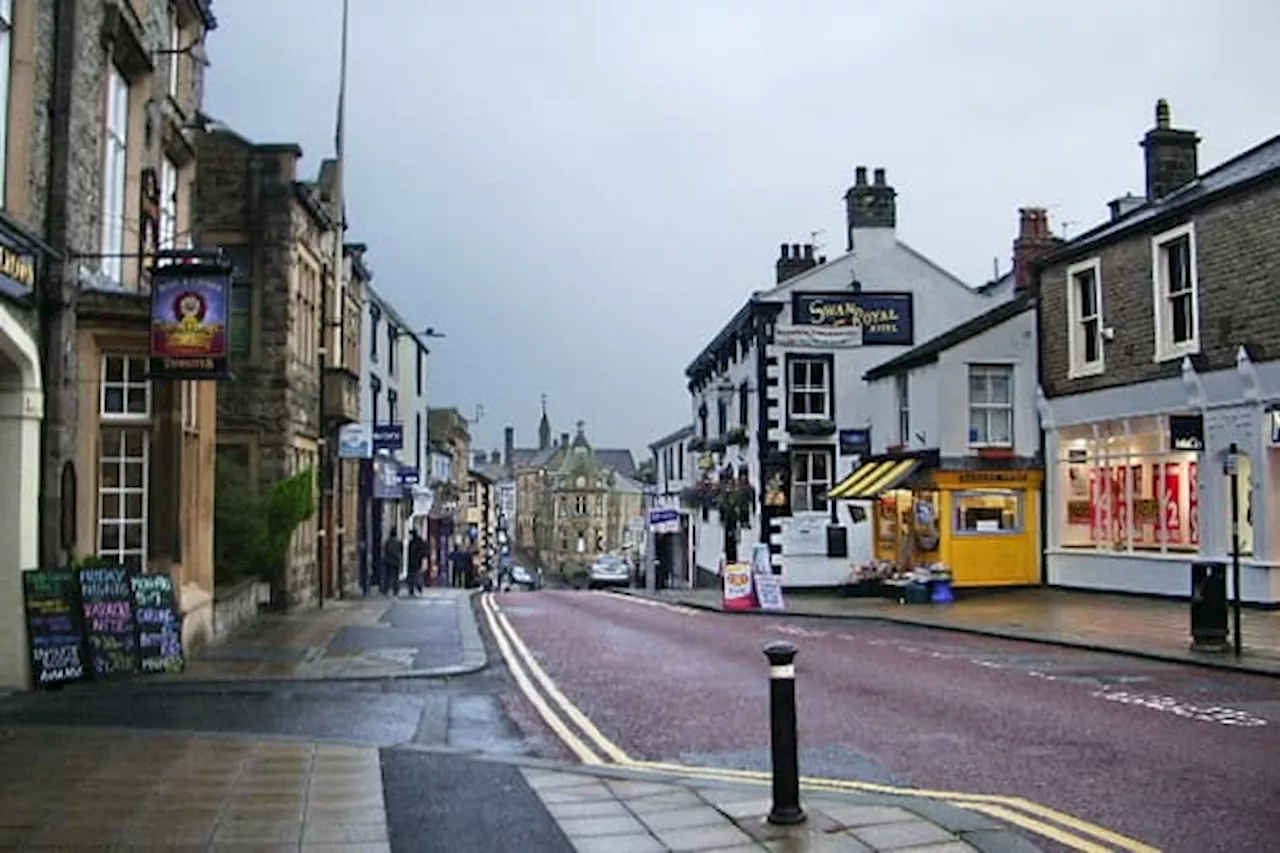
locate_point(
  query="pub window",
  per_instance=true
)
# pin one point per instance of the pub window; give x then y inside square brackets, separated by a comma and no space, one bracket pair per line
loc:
[744,405]
[375,316]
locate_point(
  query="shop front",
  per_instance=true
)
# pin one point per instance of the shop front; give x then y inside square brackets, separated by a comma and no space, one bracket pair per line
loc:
[977,526]
[1134,499]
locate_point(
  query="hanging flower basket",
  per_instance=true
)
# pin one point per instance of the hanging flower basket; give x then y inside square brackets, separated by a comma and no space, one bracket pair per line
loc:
[716,445]
[697,444]
[700,495]
[737,437]
[820,427]
[735,501]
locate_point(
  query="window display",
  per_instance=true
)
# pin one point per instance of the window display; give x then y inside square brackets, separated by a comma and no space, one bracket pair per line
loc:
[1121,488]
[989,511]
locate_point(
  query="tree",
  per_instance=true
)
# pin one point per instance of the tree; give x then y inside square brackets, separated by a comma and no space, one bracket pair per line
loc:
[647,472]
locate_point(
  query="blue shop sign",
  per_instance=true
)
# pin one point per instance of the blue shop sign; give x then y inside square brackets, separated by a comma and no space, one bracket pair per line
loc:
[409,477]
[18,269]
[855,442]
[884,318]
[388,437]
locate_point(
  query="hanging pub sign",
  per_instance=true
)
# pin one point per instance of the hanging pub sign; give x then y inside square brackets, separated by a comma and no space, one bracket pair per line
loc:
[866,318]
[189,335]
[1186,432]
[855,442]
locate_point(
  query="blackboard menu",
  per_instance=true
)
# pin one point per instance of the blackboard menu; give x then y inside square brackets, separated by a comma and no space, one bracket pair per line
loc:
[159,627]
[111,632]
[54,627]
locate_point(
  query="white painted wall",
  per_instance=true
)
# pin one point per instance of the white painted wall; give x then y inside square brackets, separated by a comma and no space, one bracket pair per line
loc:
[939,392]
[21,409]
[410,402]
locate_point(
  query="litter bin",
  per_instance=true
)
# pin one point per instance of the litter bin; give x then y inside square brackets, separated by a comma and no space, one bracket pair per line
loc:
[1209,606]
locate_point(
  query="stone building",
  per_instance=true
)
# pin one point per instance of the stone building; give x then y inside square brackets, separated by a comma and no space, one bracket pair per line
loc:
[449,434]
[1160,354]
[279,233]
[102,98]
[530,471]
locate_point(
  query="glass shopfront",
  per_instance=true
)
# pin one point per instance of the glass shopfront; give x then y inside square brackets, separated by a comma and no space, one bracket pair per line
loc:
[1124,487]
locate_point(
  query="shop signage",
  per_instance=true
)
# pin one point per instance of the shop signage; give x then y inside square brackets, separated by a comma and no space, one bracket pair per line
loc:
[17,271]
[409,476]
[1186,432]
[388,436]
[855,442]
[993,476]
[664,520]
[386,479]
[189,321]
[879,318]
[355,441]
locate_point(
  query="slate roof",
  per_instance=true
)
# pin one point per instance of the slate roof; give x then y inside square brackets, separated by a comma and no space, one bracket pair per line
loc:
[1258,163]
[684,432]
[619,460]
[928,352]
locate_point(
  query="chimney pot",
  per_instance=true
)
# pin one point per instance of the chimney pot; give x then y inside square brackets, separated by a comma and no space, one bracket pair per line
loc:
[1162,114]
[785,252]
[795,251]
[860,176]
[564,439]
[879,177]
[808,252]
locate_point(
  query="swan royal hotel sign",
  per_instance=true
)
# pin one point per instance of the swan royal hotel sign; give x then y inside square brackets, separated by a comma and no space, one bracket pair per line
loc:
[849,320]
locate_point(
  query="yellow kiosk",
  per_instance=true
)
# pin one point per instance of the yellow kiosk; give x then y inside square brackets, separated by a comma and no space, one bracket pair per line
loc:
[980,517]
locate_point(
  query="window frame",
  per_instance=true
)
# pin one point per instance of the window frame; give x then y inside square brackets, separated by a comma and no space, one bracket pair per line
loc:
[393,405]
[1166,349]
[902,406]
[420,369]
[168,225]
[115,174]
[989,369]
[1077,366]
[826,388]
[121,460]
[375,321]
[6,82]
[1020,495]
[375,391]
[392,339]
[125,385]
[175,53]
[811,451]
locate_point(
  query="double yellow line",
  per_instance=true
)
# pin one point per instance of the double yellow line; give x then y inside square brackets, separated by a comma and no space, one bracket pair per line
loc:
[591,747]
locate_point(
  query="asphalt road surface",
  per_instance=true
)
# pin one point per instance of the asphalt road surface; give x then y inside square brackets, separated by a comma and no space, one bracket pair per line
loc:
[1182,758]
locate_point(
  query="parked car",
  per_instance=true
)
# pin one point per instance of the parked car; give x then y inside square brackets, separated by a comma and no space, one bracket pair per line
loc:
[524,578]
[609,571]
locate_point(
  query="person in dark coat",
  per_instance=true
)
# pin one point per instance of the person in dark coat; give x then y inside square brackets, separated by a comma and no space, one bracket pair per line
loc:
[417,557]
[391,565]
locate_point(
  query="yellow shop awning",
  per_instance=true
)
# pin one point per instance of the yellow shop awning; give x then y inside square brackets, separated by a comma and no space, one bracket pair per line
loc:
[874,479]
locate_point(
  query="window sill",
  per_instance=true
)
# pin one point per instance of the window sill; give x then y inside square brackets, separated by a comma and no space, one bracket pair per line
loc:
[1087,370]
[1172,353]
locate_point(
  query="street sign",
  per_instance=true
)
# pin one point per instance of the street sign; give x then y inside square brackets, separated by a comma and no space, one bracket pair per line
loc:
[388,436]
[663,516]
[409,476]
[355,441]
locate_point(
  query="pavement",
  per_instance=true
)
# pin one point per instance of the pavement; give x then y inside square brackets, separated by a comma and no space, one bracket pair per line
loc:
[1089,750]
[428,636]
[120,790]
[1153,628]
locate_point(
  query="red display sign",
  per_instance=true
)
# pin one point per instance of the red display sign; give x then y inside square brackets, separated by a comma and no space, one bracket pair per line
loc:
[1193,502]
[1172,521]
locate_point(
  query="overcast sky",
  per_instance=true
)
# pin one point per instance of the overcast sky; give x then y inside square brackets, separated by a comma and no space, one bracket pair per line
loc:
[580,193]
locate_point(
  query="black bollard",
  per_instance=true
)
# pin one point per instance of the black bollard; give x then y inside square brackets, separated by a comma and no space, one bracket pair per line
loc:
[786,809]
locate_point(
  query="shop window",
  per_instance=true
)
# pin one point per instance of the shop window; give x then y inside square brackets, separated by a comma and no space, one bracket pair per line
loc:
[988,511]
[1084,317]
[809,388]
[810,479]
[1122,488]
[1173,276]
[990,405]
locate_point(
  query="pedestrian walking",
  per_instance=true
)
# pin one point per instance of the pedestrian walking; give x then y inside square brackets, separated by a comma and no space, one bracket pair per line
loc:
[391,565]
[417,557]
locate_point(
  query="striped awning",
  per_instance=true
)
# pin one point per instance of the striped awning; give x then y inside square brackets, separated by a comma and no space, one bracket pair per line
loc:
[874,479]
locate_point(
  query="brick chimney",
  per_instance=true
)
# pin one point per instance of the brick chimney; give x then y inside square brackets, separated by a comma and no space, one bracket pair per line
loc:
[495,458]
[564,439]
[508,445]
[794,259]
[1034,241]
[480,457]
[869,205]
[1170,155]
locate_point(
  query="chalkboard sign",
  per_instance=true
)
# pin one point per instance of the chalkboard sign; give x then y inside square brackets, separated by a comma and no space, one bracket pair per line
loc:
[54,628]
[159,626]
[111,632]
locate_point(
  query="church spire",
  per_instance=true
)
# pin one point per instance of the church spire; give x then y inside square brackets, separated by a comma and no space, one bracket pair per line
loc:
[544,427]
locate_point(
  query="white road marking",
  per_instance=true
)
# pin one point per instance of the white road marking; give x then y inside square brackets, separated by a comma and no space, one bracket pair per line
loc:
[1170,705]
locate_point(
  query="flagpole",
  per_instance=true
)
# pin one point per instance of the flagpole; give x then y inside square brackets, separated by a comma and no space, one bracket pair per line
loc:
[331,334]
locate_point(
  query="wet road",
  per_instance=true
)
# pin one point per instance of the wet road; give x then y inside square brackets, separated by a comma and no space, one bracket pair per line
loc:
[1183,758]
